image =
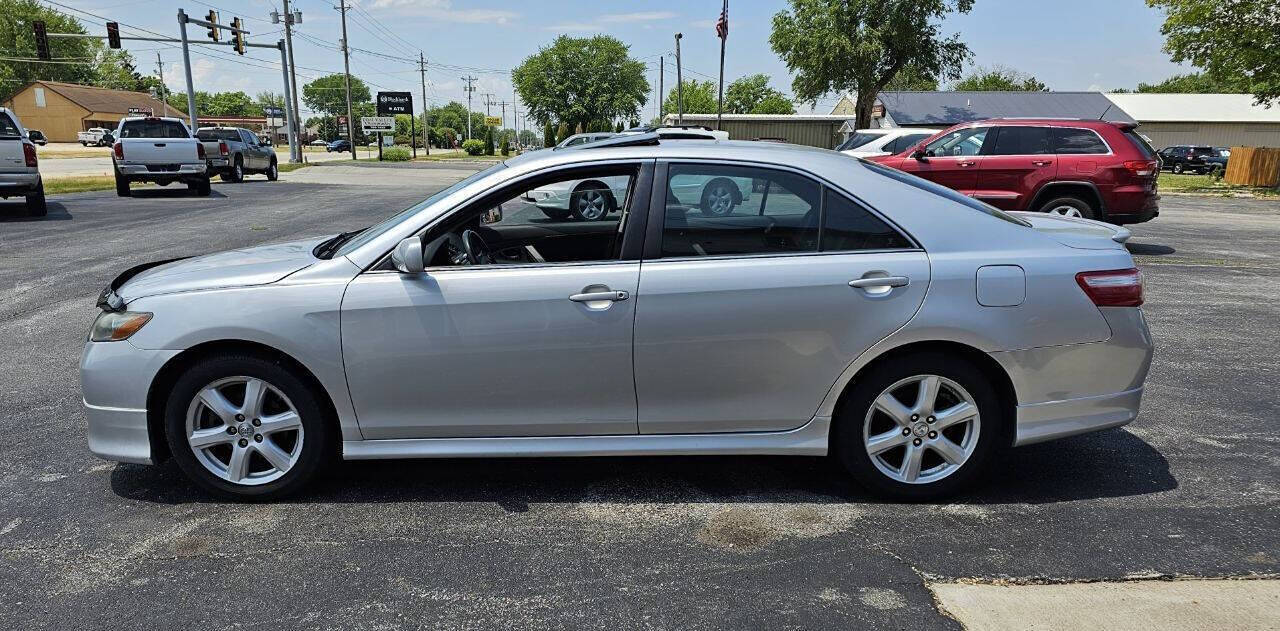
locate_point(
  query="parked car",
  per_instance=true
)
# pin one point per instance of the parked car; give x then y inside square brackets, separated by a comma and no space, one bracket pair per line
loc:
[908,330]
[318,143]
[37,137]
[19,166]
[160,150]
[1079,168]
[1183,158]
[96,136]
[338,145]
[865,143]
[580,139]
[233,151]
[1218,161]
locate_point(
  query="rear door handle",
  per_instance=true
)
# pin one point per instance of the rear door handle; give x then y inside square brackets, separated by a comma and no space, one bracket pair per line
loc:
[596,296]
[880,281]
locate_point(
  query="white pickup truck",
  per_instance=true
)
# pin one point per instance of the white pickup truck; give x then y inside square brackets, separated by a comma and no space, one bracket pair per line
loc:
[19,175]
[160,150]
[96,136]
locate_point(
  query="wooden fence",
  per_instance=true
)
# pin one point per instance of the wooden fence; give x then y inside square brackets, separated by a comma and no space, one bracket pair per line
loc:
[1253,166]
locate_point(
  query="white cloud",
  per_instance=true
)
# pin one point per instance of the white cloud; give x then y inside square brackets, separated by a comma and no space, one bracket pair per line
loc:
[443,10]
[640,16]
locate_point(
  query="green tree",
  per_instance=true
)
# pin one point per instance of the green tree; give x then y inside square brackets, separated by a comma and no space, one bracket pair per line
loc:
[561,133]
[527,138]
[1233,38]
[232,104]
[488,141]
[18,40]
[912,79]
[579,80]
[859,46]
[444,137]
[618,128]
[548,135]
[505,147]
[998,79]
[699,98]
[752,95]
[328,94]
[1198,83]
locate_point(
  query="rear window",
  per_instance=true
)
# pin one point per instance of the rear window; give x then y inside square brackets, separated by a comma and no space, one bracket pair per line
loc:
[8,129]
[218,134]
[1140,143]
[153,129]
[1077,141]
[858,139]
[941,191]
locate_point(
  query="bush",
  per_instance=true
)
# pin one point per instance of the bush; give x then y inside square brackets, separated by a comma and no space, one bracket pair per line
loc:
[505,147]
[548,135]
[488,141]
[473,147]
[395,154]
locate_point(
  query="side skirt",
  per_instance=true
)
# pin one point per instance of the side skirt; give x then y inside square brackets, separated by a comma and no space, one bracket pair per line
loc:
[809,439]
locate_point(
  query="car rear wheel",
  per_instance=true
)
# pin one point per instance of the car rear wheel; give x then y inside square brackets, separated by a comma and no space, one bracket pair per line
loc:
[1069,207]
[122,186]
[1178,168]
[36,205]
[919,427]
[200,188]
[246,428]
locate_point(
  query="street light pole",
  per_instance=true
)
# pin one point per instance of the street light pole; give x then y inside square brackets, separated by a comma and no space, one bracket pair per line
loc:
[679,85]
[186,61]
[293,81]
[346,68]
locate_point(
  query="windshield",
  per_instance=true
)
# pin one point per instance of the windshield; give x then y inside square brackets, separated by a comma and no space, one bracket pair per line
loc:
[858,139]
[942,191]
[381,227]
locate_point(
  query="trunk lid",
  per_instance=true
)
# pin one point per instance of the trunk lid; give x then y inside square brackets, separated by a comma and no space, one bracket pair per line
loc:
[1074,232]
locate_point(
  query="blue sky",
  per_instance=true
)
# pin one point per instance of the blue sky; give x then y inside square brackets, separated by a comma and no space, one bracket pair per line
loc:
[1077,45]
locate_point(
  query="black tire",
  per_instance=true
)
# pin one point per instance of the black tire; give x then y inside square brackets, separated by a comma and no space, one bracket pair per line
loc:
[558,214]
[587,188]
[122,186]
[36,205]
[199,188]
[847,434]
[225,176]
[1178,168]
[317,439]
[712,202]
[236,174]
[1080,205]
[273,171]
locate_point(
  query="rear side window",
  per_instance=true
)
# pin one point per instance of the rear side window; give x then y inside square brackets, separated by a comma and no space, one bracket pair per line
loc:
[728,209]
[942,191]
[1202,151]
[1022,141]
[848,226]
[1077,141]
[154,129]
[1140,143]
[7,127]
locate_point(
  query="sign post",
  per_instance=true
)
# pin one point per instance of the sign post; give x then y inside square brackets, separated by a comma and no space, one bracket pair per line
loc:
[392,103]
[378,125]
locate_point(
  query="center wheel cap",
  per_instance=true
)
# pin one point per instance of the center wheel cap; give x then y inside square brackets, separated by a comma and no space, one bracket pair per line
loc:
[245,429]
[920,429]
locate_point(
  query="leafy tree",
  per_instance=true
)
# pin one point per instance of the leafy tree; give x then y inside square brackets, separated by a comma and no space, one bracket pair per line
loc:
[18,40]
[444,137]
[579,80]
[561,133]
[505,147]
[618,128]
[1198,83]
[635,122]
[488,141]
[328,94]
[527,137]
[548,135]
[326,126]
[473,147]
[232,104]
[859,46]
[998,78]
[912,79]
[1227,38]
[752,95]
[699,98]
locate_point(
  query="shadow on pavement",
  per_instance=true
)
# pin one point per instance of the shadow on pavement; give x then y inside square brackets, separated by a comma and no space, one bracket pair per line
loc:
[1114,463]
[1149,249]
[173,190]
[17,212]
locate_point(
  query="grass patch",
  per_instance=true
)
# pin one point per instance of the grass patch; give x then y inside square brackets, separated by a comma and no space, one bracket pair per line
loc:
[62,185]
[285,167]
[1188,183]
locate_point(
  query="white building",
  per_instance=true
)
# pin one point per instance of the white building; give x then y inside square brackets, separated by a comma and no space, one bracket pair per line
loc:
[1218,120]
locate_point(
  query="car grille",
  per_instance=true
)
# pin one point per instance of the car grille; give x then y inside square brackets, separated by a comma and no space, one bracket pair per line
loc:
[162,167]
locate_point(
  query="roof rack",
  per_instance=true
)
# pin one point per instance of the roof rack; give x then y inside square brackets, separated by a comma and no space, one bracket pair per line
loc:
[632,140]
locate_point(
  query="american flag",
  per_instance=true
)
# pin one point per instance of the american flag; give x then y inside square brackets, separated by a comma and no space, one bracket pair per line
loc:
[722,25]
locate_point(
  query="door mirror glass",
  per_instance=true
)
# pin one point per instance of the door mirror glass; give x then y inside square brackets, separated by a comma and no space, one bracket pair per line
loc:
[493,215]
[918,153]
[407,257]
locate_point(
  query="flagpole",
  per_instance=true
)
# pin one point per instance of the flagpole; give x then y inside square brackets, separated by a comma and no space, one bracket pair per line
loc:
[724,15]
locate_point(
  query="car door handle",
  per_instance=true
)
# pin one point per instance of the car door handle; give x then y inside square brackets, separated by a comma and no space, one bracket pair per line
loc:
[965,163]
[1042,163]
[880,281]
[596,296]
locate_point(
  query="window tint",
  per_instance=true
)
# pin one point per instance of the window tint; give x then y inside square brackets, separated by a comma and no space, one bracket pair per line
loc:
[909,141]
[1068,140]
[962,142]
[7,127]
[894,146]
[1022,141]
[724,209]
[858,139]
[848,226]
[1140,143]
[942,191]
[217,134]
[154,129]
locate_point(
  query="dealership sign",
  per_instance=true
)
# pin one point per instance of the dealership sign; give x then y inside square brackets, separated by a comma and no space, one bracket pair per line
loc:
[492,121]
[374,124]
[141,111]
[392,103]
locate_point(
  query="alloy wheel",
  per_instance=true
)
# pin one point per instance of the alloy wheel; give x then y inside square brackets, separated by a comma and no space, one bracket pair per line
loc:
[720,200]
[252,442]
[592,204]
[1066,211]
[927,439]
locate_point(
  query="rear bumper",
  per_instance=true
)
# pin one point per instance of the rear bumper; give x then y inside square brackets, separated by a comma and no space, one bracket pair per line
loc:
[18,183]
[1039,422]
[140,172]
[1138,217]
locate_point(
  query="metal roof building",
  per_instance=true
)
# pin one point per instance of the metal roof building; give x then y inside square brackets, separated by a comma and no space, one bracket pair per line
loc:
[814,130]
[1217,120]
[945,108]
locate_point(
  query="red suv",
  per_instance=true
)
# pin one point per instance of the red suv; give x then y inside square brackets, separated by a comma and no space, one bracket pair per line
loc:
[1092,169]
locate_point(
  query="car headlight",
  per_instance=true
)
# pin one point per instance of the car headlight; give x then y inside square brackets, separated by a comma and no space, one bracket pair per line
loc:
[113,326]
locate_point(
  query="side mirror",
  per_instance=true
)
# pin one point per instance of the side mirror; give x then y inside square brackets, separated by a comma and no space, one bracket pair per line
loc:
[493,215]
[407,257]
[919,154]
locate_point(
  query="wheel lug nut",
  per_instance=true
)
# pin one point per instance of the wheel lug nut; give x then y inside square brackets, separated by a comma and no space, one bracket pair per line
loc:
[916,442]
[930,420]
[906,431]
[244,442]
[257,422]
[239,417]
[933,434]
[231,430]
[257,438]
[915,417]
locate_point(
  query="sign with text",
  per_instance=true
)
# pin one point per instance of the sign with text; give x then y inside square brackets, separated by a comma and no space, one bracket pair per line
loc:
[492,121]
[392,103]
[142,111]
[374,124]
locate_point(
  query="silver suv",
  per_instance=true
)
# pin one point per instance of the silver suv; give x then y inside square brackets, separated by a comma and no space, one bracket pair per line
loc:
[19,166]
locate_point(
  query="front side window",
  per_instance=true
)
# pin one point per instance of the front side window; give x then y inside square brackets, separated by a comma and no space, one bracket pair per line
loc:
[250,137]
[1022,141]
[857,139]
[961,142]
[848,226]
[905,142]
[727,209]
[153,129]
[1078,141]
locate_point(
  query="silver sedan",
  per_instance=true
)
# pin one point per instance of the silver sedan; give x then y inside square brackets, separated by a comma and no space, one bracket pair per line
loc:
[842,308]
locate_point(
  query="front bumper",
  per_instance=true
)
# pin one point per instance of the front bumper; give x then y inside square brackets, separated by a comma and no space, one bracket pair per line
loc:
[114,380]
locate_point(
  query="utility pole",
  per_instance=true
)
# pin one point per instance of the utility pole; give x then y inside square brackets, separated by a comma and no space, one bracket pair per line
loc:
[426,127]
[488,100]
[160,70]
[346,68]
[662,73]
[293,81]
[186,60]
[470,88]
[679,85]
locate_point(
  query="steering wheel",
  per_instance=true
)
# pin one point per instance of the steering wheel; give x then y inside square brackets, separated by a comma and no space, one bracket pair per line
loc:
[477,250]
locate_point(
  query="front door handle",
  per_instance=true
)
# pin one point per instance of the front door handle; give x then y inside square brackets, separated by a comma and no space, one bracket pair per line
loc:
[965,163]
[880,281]
[597,296]
[1042,163]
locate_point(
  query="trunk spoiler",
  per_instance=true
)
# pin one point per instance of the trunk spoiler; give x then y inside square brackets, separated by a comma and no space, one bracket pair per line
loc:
[109,300]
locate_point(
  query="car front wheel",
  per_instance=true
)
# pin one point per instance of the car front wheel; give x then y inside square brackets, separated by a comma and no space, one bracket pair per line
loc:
[245,427]
[591,202]
[273,171]
[1178,168]
[919,427]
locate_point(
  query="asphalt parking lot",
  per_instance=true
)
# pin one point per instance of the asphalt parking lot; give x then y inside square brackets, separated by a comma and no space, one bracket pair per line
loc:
[1192,488]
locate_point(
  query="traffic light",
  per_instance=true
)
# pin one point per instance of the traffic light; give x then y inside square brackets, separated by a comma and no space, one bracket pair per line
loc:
[113,34]
[42,40]
[238,35]
[215,33]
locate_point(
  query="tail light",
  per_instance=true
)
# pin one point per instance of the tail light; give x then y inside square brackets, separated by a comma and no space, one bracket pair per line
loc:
[29,152]
[200,150]
[223,149]
[118,149]
[1141,167]
[1112,288]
